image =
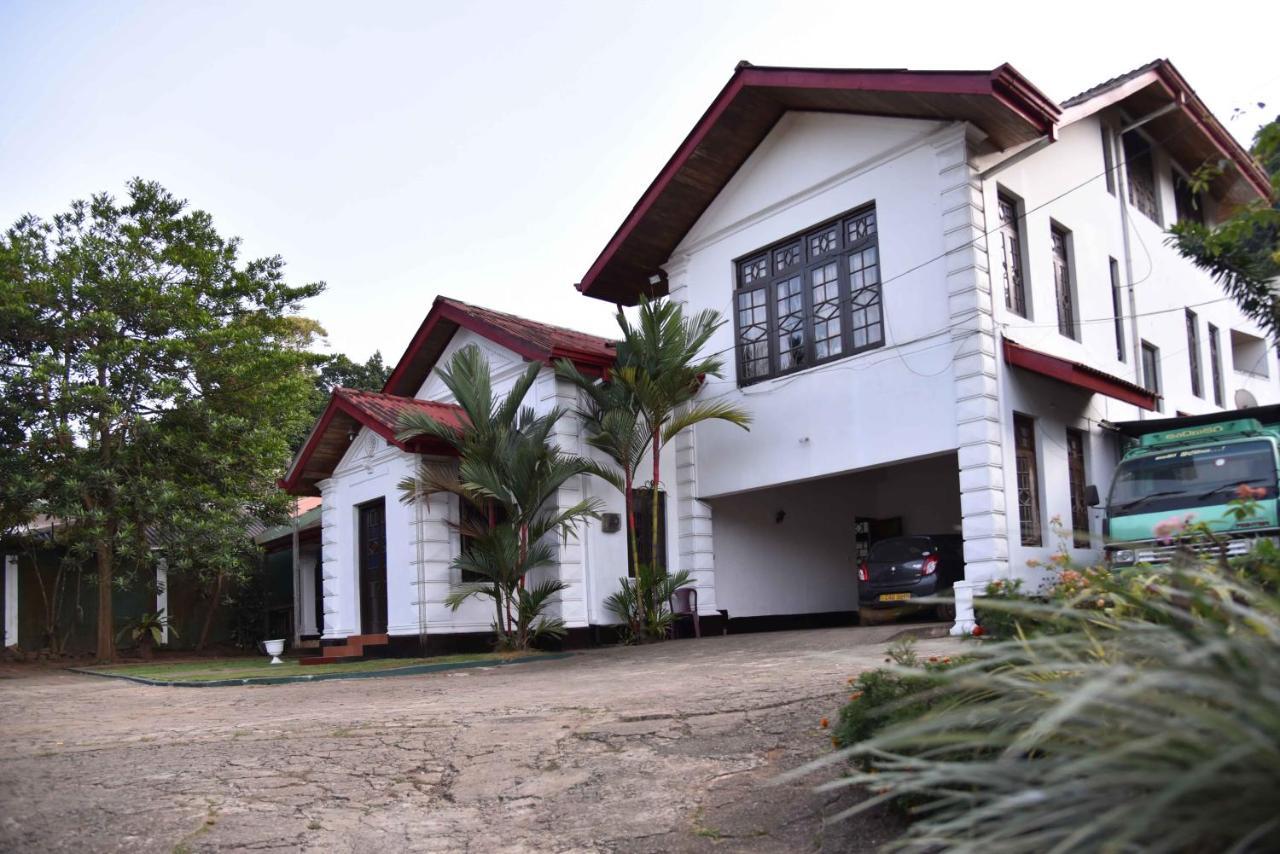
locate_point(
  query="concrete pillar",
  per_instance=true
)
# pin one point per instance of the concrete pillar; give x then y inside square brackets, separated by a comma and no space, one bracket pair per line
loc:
[978,401]
[10,600]
[162,596]
[693,518]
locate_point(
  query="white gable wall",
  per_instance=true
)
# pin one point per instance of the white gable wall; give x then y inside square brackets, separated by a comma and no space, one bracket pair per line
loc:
[891,403]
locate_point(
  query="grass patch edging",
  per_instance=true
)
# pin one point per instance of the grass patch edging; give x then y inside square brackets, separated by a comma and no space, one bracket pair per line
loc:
[410,670]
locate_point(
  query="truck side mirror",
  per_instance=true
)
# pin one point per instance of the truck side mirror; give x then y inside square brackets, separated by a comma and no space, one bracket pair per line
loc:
[1091,496]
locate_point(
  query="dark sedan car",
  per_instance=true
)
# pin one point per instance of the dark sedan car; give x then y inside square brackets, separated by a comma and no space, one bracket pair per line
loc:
[899,569]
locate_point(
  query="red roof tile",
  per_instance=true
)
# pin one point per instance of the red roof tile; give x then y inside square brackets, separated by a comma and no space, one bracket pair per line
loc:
[535,341]
[386,409]
[348,410]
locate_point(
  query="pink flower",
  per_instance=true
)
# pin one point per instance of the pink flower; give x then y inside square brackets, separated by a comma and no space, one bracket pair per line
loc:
[1167,529]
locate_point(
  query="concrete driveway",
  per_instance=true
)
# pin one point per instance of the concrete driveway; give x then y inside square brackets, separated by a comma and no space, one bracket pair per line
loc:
[663,748]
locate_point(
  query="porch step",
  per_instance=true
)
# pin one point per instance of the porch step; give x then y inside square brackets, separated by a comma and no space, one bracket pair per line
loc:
[353,649]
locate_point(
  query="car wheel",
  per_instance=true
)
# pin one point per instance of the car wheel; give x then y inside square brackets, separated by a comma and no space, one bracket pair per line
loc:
[946,612]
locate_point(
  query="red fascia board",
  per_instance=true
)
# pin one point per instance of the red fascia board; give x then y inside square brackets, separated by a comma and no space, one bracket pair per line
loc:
[445,312]
[338,403]
[665,176]
[1022,97]
[290,481]
[1195,110]
[1076,374]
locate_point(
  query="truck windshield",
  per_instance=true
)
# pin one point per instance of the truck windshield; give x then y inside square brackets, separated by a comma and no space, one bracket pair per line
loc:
[1192,477]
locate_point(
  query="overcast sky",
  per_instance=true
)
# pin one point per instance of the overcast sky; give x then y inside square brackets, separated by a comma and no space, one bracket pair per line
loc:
[487,151]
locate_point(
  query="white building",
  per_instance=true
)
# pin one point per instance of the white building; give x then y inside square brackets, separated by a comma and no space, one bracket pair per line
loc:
[941,288]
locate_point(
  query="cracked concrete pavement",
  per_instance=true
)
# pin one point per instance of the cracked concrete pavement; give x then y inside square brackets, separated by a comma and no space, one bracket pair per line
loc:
[663,748]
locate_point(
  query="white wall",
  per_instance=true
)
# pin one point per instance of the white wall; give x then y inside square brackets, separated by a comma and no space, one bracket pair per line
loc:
[804,563]
[881,405]
[1165,283]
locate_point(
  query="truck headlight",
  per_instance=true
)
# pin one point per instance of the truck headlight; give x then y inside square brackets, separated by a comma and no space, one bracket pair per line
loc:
[1122,557]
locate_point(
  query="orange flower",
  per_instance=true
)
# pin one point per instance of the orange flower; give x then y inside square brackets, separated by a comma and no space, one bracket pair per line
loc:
[978,631]
[854,696]
[824,723]
[1245,492]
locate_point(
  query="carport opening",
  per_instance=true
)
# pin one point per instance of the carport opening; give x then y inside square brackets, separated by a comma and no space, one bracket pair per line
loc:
[787,557]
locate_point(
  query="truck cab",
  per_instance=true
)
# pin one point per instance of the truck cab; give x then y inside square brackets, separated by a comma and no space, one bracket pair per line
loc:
[1190,468]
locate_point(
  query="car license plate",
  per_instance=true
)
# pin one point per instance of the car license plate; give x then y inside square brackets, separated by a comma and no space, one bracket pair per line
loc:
[894,597]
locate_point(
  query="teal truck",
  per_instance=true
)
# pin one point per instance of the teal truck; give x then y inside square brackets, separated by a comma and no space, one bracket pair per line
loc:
[1173,468]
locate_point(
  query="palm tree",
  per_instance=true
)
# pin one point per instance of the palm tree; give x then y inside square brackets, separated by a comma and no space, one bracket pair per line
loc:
[510,471]
[646,401]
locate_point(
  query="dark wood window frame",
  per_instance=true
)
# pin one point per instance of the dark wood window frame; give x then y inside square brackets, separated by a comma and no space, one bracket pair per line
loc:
[1140,174]
[812,298]
[1013,261]
[1108,158]
[467,510]
[1063,280]
[1117,309]
[1193,353]
[1215,364]
[1075,486]
[1027,474]
[1151,372]
[1188,204]
[642,504]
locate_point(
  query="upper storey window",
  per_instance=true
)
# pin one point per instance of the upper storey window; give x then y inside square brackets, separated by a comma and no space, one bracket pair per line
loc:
[1140,174]
[810,298]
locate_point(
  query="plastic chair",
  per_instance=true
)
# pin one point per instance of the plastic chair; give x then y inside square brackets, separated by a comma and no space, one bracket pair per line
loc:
[684,603]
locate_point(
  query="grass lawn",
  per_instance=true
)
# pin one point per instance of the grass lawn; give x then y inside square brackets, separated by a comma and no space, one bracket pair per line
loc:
[252,668]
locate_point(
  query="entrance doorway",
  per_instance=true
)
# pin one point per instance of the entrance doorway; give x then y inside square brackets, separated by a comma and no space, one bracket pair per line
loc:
[372,523]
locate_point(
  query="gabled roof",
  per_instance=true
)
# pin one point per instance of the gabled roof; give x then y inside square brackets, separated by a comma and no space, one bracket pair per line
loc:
[1185,129]
[538,342]
[1001,102]
[348,410]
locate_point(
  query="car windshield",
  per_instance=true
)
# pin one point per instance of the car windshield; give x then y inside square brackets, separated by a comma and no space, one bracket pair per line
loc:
[901,549]
[1195,477]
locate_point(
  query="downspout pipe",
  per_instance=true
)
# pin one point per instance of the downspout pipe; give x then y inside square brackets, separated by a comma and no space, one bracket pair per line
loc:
[1116,141]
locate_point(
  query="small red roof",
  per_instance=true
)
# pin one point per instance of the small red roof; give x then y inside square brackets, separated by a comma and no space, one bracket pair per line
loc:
[1078,374]
[535,341]
[348,411]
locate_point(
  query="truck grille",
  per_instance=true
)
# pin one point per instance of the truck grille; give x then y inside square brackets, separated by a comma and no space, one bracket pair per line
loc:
[1159,555]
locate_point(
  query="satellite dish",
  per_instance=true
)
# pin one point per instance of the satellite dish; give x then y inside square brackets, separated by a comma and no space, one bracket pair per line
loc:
[1245,399]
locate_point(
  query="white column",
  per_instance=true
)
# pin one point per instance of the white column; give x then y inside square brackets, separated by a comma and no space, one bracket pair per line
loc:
[572,602]
[304,603]
[338,612]
[162,596]
[978,403]
[10,600]
[693,522]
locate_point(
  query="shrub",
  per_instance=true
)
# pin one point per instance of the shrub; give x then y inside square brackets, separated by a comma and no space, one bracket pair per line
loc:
[1150,722]
[884,697]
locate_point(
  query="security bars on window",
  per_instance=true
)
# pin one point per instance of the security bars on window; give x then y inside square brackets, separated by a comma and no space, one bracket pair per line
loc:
[810,299]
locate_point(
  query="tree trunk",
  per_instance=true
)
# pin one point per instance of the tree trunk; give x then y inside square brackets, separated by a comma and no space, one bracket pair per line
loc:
[106,638]
[208,616]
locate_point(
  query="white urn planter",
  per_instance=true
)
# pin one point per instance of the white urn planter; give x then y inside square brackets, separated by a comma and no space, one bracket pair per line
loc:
[273,648]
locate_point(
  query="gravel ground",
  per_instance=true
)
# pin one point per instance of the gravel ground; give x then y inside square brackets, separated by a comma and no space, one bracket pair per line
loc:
[665,748]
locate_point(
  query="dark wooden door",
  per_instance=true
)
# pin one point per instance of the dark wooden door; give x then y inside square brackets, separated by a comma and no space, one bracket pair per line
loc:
[373,567]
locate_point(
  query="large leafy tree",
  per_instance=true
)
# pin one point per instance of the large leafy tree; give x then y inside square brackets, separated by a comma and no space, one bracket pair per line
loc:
[1243,251]
[510,470]
[151,384]
[648,398]
[339,370]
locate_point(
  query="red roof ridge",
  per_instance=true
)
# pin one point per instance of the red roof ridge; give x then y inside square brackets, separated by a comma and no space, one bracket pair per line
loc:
[532,339]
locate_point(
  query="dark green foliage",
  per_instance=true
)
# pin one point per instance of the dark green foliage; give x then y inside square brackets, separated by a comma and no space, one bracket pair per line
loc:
[340,371]
[650,397]
[151,383]
[1243,252]
[881,698]
[510,470]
